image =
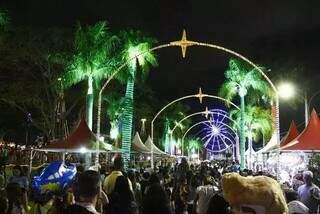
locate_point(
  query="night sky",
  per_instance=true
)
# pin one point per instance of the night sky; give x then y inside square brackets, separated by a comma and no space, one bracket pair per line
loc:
[277,34]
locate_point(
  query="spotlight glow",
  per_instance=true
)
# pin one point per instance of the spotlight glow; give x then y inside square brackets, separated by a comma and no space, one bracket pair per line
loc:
[286,90]
[83,150]
[114,132]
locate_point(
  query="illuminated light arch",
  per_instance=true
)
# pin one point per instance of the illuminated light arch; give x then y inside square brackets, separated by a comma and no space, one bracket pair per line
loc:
[205,113]
[183,44]
[200,96]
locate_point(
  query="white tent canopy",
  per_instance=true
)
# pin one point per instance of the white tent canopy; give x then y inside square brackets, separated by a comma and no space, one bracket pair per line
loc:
[138,146]
[271,145]
[153,148]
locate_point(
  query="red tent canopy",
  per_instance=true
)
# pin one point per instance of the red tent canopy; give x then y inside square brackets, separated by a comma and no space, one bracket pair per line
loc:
[309,139]
[291,134]
[81,137]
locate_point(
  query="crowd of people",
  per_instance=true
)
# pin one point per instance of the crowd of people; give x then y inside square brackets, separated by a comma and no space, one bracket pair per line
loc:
[182,189]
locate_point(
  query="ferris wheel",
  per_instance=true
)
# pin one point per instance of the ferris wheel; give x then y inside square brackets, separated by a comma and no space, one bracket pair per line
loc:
[216,133]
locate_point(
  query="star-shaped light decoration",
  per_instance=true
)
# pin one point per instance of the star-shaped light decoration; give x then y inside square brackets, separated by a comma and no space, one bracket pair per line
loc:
[200,95]
[206,113]
[183,43]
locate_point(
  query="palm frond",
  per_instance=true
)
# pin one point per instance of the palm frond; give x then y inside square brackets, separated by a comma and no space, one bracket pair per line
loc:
[94,54]
[228,90]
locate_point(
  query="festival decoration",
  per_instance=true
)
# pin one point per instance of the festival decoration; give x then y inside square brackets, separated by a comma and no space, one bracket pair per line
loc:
[55,178]
[217,135]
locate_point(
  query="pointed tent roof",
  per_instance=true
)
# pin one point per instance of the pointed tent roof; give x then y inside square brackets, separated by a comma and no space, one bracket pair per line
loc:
[81,137]
[138,146]
[309,139]
[291,134]
[150,145]
[272,144]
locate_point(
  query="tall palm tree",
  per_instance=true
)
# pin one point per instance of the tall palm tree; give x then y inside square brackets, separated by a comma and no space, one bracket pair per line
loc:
[241,79]
[114,112]
[193,144]
[137,53]
[92,61]
[257,123]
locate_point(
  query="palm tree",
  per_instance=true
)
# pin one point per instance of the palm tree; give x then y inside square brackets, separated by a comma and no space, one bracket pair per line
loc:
[193,145]
[137,53]
[92,60]
[240,79]
[114,112]
[257,123]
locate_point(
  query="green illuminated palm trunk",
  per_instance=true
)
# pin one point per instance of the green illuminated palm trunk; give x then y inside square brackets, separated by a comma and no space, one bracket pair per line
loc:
[89,115]
[250,139]
[242,134]
[127,121]
[89,100]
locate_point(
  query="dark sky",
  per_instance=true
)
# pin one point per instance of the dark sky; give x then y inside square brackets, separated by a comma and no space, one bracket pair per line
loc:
[277,34]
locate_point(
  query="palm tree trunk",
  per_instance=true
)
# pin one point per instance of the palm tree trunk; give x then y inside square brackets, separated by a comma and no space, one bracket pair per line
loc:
[127,122]
[250,150]
[89,113]
[242,134]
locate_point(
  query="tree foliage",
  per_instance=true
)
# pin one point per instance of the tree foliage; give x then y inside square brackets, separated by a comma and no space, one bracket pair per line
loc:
[258,122]
[30,73]
[241,79]
[94,47]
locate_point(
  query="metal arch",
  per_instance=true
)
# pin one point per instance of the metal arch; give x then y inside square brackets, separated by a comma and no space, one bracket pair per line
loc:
[198,113]
[203,122]
[184,43]
[187,97]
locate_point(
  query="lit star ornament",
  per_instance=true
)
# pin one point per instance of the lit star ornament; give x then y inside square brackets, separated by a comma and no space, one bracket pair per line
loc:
[200,95]
[183,43]
[206,112]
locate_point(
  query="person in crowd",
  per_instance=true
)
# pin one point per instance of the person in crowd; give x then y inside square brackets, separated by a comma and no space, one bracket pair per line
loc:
[156,201]
[144,182]
[235,167]
[182,169]
[309,193]
[297,181]
[87,191]
[122,199]
[19,178]
[103,171]
[17,202]
[193,184]
[203,195]
[218,205]
[180,195]
[110,180]
[80,168]
[135,187]
[295,206]
[4,204]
